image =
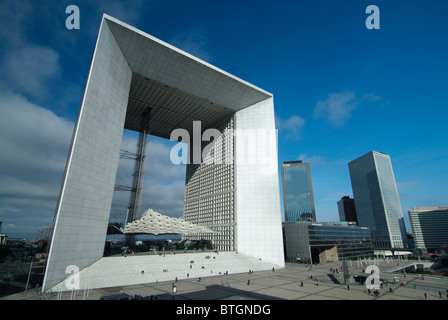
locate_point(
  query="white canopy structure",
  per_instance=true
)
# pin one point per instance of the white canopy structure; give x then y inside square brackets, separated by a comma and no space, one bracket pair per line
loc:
[152,222]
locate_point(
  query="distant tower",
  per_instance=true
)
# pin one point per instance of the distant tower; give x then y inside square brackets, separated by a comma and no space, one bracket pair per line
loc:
[376,199]
[298,196]
[347,210]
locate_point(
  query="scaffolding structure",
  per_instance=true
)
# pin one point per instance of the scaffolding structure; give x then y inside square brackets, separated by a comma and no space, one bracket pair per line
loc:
[139,157]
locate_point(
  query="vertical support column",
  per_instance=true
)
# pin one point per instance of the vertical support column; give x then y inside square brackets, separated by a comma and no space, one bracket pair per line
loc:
[258,216]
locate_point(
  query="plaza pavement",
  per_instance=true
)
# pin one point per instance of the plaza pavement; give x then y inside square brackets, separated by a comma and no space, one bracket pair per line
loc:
[281,284]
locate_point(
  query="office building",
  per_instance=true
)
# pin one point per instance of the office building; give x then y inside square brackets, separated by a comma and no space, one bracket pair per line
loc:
[138,82]
[312,242]
[376,199]
[3,236]
[430,228]
[298,196]
[347,210]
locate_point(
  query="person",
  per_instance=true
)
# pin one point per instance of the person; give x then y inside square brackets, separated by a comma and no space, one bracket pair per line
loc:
[301,283]
[348,286]
[425,295]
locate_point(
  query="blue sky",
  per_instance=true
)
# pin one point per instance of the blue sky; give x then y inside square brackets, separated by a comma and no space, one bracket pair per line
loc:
[340,90]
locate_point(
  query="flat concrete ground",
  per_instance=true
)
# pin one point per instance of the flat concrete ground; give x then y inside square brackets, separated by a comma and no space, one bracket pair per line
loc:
[282,284]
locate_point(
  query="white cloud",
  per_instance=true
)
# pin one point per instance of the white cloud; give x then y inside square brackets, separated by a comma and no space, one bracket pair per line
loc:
[128,11]
[34,144]
[164,182]
[337,108]
[24,65]
[29,67]
[370,97]
[313,160]
[193,40]
[34,141]
[33,149]
[292,126]
[14,16]
[408,185]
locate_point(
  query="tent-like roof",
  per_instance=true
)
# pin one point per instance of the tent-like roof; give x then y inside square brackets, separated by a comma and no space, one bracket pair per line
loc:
[152,222]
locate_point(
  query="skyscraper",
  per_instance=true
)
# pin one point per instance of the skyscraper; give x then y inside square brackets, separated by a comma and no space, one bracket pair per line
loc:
[376,199]
[347,210]
[298,196]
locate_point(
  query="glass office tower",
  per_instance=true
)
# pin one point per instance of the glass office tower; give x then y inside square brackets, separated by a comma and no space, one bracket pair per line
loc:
[376,199]
[298,196]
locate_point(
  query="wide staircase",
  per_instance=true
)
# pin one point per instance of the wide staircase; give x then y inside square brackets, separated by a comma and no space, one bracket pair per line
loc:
[128,270]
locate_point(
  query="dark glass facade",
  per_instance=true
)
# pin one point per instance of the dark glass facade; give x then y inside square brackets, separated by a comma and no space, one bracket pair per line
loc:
[319,242]
[430,228]
[347,210]
[298,196]
[351,242]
